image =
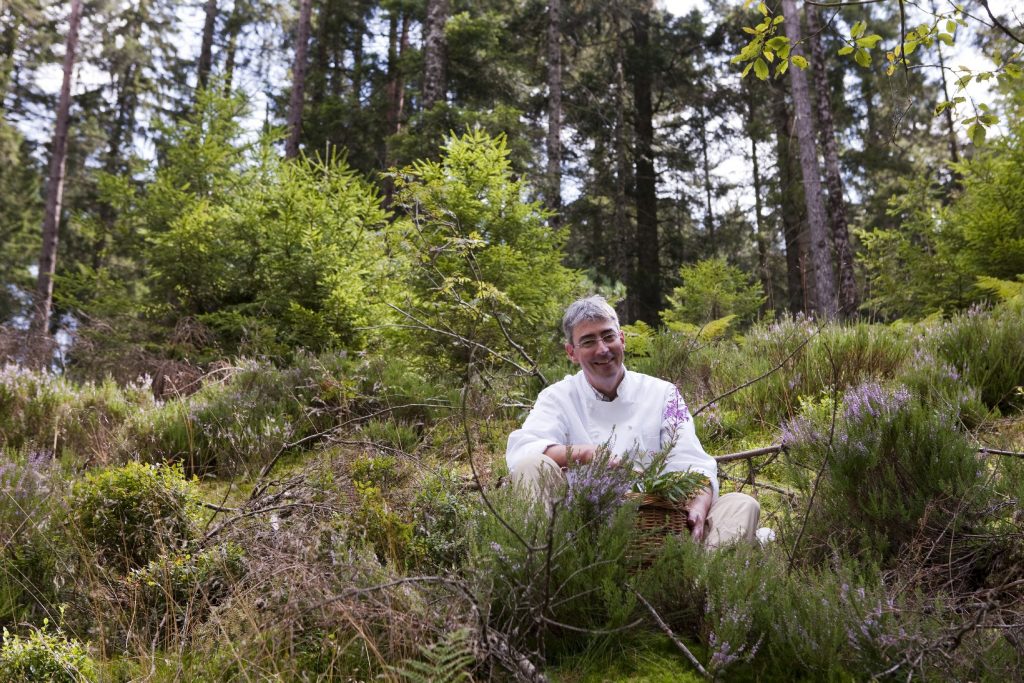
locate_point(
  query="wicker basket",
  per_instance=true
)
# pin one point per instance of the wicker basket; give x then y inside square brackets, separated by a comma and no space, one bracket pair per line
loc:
[656,518]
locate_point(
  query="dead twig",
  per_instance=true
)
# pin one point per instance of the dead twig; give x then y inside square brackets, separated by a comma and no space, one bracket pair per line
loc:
[668,631]
[778,367]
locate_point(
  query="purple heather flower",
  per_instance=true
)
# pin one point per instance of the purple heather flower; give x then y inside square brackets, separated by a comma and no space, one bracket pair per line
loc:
[676,412]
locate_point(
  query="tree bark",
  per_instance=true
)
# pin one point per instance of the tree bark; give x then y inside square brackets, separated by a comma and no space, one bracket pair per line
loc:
[39,326]
[206,48]
[954,150]
[791,204]
[232,27]
[761,236]
[621,237]
[434,53]
[647,283]
[833,177]
[554,141]
[709,215]
[299,66]
[822,272]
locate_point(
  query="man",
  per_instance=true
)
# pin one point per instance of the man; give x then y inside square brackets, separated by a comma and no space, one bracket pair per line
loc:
[633,414]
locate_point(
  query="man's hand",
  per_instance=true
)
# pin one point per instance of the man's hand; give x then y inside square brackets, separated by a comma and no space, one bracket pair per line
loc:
[697,510]
[582,453]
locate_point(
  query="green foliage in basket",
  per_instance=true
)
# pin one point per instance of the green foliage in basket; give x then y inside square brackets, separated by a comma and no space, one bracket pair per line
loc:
[674,486]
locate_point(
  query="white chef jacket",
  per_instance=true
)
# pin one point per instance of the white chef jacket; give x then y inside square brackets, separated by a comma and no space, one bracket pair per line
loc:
[646,414]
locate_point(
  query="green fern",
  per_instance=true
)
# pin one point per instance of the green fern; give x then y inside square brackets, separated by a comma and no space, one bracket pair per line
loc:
[446,661]
[1004,289]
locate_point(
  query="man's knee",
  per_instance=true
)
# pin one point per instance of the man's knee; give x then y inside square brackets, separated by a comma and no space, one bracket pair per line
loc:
[734,517]
[532,471]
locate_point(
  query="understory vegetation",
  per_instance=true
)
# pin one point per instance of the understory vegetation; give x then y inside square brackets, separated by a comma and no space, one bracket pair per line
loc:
[343,518]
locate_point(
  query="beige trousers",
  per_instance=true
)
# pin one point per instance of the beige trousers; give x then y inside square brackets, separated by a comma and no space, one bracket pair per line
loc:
[733,516]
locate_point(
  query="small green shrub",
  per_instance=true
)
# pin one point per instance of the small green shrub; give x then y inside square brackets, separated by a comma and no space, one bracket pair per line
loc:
[129,515]
[986,350]
[238,425]
[579,581]
[173,592]
[31,487]
[712,289]
[891,459]
[39,410]
[45,657]
[442,515]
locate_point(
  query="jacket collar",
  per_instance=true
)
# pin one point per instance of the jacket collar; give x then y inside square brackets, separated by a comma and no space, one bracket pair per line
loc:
[624,392]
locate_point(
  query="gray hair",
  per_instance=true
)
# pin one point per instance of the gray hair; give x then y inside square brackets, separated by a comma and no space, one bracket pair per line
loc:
[588,308]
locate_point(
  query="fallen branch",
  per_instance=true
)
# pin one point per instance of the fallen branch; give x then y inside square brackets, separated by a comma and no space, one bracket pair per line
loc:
[668,631]
[996,451]
[746,455]
[785,360]
[762,485]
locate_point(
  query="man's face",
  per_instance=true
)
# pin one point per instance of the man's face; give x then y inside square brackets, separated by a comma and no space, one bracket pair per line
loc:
[598,347]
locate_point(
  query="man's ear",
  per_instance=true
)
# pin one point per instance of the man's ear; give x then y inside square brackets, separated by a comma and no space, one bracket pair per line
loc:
[570,351]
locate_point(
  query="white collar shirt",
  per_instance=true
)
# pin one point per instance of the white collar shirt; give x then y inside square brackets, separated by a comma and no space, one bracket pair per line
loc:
[646,414]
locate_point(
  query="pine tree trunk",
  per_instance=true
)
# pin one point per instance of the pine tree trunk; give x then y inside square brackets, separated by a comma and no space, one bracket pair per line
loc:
[709,215]
[232,27]
[299,66]
[648,277]
[833,177]
[206,48]
[554,141]
[398,41]
[621,238]
[39,326]
[791,204]
[954,150]
[357,64]
[434,53]
[761,236]
[822,272]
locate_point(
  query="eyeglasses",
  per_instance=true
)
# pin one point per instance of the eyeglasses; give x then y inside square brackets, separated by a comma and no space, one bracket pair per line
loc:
[608,338]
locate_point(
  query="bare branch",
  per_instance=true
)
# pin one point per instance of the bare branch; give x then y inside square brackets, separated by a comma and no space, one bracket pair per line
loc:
[785,360]
[668,631]
[746,455]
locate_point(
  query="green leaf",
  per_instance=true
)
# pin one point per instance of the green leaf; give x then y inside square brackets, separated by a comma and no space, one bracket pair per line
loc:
[950,26]
[777,43]
[746,69]
[869,41]
[761,69]
[845,50]
[800,61]
[747,29]
[782,68]
[946,38]
[909,46]
[762,8]
[858,29]
[862,57]
[976,132]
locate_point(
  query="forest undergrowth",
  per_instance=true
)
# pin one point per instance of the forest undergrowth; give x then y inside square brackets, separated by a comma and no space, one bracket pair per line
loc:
[349,518]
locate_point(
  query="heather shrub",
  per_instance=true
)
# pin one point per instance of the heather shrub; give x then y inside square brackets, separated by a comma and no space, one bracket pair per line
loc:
[237,425]
[129,515]
[45,656]
[171,594]
[443,515]
[537,573]
[836,356]
[986,349]
[30,487]
[888,461]
[42,410]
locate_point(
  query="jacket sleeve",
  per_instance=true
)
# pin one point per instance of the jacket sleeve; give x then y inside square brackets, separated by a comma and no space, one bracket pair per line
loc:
[544,426]
[687,454]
